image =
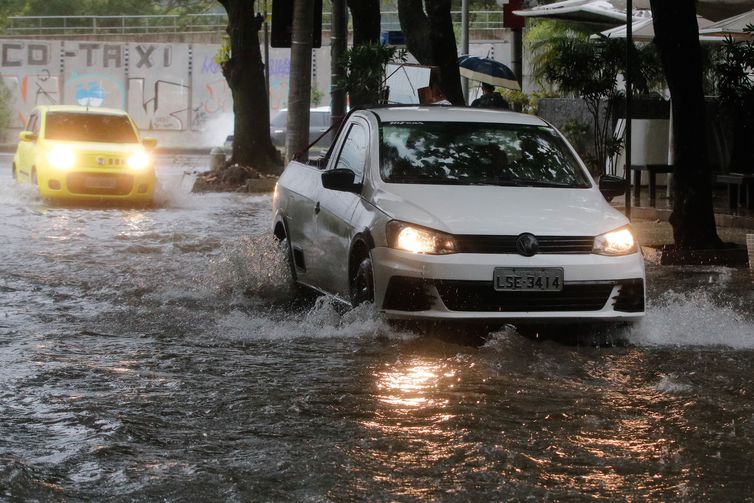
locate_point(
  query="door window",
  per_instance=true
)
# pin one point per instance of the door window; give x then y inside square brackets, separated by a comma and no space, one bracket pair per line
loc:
[353,155]
[33,124]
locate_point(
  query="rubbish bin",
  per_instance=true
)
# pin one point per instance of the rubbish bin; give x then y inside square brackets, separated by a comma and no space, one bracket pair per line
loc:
[216,159]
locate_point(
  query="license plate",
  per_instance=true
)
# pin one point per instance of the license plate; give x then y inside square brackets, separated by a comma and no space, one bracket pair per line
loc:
[98,182]
[540,279]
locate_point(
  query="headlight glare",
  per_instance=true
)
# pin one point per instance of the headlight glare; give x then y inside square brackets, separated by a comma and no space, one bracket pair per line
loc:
[419,240]
[138,161]
[61,157]
[618,242]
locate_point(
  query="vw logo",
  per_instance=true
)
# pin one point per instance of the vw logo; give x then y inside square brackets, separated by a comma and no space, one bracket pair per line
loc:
[527,245]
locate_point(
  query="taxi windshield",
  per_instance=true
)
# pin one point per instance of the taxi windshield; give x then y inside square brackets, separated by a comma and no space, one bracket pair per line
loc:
[73,126]
[463,153]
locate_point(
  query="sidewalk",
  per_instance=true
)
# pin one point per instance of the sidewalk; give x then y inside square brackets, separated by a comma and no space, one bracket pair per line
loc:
[652,227]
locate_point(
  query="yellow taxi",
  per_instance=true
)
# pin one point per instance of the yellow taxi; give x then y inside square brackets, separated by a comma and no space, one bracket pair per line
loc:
[84,153]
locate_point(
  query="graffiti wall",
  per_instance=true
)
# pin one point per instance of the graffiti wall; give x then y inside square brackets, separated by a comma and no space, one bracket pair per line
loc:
[32,72]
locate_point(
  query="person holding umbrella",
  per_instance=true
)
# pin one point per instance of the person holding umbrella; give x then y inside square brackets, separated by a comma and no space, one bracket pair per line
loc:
[490,98]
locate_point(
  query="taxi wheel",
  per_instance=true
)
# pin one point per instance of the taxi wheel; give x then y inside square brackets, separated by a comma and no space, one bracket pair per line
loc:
[362,284]
[34,176]
[15,173]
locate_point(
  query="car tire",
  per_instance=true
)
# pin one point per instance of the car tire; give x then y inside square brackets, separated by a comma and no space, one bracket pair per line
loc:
[34,180]
[362,283]
[287,252]
[15,172]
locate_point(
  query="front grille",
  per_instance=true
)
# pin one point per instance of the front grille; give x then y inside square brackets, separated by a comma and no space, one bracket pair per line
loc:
[481,296]
[102,184]
[507,244]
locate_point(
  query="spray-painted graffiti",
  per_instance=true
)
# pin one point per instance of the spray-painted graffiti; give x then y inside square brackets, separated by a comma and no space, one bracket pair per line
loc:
[158,86]
[152,81]
[29,71]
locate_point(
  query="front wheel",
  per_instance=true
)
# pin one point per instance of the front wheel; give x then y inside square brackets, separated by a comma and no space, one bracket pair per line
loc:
[15,172]
[362,283]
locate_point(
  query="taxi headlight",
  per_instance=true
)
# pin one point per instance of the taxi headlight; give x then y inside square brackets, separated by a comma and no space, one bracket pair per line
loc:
[618,242]
[61,157]
[419,240]
[138,161]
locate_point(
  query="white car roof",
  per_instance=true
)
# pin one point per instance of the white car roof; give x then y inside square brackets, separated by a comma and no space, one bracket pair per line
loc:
[438,113]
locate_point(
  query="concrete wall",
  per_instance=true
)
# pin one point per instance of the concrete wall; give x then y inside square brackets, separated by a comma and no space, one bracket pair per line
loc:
[174,91]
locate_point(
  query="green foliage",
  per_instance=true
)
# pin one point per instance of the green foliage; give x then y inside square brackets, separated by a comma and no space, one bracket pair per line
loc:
[316,96]
[5,110]
[522,102]
[365,72]
[223,52]
[735,71]
[735,84]
[578,66]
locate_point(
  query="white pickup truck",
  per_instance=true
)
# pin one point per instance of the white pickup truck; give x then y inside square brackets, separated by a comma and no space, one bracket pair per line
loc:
[457,213]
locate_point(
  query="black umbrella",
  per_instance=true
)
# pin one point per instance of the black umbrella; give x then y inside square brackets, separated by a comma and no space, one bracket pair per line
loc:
[488,71]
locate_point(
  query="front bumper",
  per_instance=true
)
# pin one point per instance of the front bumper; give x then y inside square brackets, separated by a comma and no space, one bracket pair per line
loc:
[460,286]
[97,184]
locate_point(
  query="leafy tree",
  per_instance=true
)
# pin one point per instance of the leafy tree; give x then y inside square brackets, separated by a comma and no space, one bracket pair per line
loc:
[365,72]
[677,39]
[579,66]
[736,90]
[428,28]
[244,72]
[5,110]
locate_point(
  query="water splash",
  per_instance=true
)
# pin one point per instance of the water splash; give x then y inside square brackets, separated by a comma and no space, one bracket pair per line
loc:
[696,318]
[326,319]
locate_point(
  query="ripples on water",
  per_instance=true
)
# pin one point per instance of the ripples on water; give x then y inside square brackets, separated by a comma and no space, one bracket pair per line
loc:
[157,354]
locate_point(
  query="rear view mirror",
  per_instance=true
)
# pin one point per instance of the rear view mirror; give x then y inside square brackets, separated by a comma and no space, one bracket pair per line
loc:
[612,186]
[340,179]
[149,143]
[27,136]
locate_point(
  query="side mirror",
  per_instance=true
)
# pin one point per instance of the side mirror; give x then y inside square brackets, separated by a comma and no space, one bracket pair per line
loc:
[27,136]
[149,143]
[612,186]
[340,179]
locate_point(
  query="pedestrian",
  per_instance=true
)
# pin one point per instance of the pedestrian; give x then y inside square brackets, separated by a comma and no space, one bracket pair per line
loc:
[490,98]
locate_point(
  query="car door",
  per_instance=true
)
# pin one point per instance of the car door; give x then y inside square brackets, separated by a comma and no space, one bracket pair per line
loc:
[333,220]
[27,149]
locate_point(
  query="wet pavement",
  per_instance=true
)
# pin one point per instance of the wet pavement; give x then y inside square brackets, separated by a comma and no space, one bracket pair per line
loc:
[152,354]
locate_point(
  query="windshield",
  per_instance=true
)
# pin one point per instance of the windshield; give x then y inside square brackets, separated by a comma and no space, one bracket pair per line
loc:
[465,153]
[72,126]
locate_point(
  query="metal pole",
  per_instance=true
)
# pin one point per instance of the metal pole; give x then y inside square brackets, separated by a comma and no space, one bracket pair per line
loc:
[465,44]
[338,44]
[629,98]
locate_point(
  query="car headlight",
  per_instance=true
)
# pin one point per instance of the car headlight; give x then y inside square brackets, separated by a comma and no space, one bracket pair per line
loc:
[61,157]
[618,242]
[138,161]
[419,240]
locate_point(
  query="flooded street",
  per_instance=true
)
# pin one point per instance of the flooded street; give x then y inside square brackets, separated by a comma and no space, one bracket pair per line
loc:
[152,354]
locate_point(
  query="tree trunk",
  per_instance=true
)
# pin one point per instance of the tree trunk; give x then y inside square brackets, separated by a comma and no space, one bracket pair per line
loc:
[299,88]
[366,21]
[432,41]
[244,72]
[677,39]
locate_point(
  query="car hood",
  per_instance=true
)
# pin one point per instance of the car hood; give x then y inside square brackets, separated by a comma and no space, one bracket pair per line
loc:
[491,210]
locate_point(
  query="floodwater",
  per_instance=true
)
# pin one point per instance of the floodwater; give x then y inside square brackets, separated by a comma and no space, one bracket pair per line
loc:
[153,355]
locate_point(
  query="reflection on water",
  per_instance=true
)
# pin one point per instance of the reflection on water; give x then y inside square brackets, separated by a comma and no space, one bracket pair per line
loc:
[155,354]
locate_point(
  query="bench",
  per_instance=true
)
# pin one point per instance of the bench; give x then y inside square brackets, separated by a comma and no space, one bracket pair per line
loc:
[653,170]
[740,188]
